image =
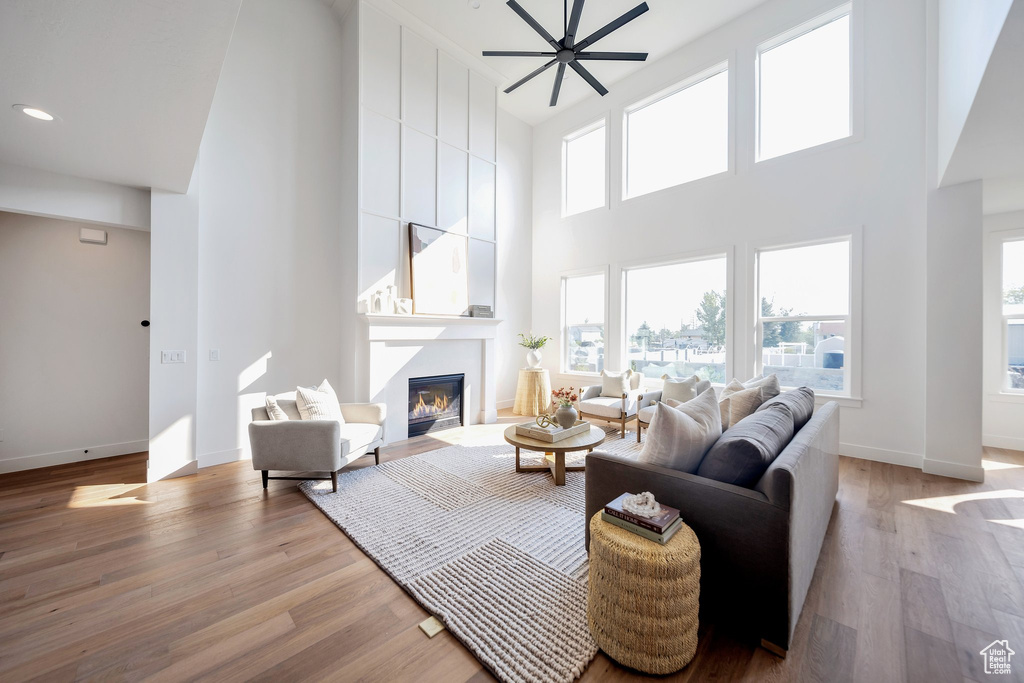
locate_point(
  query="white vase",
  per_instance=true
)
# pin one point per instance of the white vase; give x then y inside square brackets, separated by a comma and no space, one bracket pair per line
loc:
[533,358]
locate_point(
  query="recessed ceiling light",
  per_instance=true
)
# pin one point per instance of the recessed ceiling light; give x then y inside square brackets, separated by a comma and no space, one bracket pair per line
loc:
[475,4]
[34,112]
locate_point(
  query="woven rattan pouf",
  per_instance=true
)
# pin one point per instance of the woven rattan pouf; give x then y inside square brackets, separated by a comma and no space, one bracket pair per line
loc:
[643,600]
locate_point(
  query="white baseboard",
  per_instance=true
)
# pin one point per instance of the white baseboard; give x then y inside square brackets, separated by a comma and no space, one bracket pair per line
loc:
[953,469]
[881,455]
[222,457]
[31,462]
[488,417]
[510,403]
[1009,442]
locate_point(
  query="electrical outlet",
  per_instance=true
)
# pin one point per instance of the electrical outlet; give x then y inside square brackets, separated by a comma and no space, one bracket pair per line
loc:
[214,354]
[172,356]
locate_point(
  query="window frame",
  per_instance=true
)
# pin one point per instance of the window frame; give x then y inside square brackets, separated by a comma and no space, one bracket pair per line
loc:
[852,8]
[727,65]
[726,252]
[998,380]
[853,367]
[563,333]
[576,133]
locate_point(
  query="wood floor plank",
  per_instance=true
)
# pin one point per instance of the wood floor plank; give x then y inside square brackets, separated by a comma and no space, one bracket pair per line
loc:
[211,577]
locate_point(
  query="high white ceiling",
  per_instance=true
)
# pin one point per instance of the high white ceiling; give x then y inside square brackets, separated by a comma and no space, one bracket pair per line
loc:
[991,144]
[132,82]
[494,26]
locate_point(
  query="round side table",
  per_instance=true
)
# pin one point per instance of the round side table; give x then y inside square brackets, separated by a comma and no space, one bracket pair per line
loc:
[643,597]
[533,392]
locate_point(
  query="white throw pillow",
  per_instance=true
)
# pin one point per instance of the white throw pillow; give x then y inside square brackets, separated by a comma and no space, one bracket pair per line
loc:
[275,411]
[737,401]
[318,404]
[770,384]
[679,437]
[615,384]
[680,389]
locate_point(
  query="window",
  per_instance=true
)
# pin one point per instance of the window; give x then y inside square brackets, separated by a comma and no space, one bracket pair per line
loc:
[682,136]
[803,86]
[583,170]
[803,323]
[676,319]
[583,313]
[1013,314]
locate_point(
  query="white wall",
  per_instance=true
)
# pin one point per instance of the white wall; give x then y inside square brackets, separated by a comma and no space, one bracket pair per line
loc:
[270,224]
[515,257]
[73,371]
[875,182]
[41,193]
[1003,415]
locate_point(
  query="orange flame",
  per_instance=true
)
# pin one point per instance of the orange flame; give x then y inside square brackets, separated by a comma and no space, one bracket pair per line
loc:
[438,407]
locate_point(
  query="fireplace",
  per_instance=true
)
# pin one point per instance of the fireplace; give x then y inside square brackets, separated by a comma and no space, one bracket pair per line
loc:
[435,403]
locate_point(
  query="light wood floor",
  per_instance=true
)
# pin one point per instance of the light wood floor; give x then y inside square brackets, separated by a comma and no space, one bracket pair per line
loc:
[207,577]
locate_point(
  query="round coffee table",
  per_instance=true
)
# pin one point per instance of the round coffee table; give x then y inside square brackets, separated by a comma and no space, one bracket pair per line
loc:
[554,453]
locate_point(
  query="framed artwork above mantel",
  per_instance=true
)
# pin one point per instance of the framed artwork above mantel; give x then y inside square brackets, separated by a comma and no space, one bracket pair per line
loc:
[439,269]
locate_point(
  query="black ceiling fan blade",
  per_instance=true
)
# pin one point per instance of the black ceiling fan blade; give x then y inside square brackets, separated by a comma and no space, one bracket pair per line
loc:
[613,26]
[589,78]
[574,24]
[558,84]
[530,75]
[534,24]
[613,56]
[516,53]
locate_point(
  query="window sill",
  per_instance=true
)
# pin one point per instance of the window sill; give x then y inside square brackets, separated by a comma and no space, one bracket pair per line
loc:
[1007,397]
[843,401]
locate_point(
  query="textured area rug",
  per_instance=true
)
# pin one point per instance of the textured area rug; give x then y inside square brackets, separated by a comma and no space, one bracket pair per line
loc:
[497,555]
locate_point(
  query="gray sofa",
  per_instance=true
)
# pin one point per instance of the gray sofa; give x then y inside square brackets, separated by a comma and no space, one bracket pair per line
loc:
[297,445]
[759,546]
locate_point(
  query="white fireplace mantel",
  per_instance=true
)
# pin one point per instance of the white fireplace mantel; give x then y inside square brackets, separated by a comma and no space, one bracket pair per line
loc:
[383,333]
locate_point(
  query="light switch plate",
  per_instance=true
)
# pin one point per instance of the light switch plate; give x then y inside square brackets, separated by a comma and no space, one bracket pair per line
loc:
[1,435]
[172,356]
[214,354]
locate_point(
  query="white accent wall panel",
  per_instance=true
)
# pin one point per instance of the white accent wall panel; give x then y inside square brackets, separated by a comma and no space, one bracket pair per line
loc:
[482,113]
[481,198]
[381,164]
[453,181]
[481,273]
[419,83]
[453,102]
[419,169]
[381,63]
[379,253]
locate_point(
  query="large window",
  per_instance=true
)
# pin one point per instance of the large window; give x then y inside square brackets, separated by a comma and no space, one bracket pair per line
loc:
[804,323]
[583,170]
[1013,314]
[680,136]
[583,313]
[803,86]
[676,319]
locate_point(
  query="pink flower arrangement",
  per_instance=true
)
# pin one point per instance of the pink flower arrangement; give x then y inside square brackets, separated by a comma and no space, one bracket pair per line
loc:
[565,397]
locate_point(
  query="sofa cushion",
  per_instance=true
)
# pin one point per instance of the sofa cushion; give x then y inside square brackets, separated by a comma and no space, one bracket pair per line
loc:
[604,406]
[679,437]
[615,384]
[738,401]
[799,401]
[318,404]
[770,384]
[357,437]
[744,453]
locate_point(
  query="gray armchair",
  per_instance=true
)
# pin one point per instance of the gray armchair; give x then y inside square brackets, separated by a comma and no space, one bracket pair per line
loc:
[297,445]
[759,546]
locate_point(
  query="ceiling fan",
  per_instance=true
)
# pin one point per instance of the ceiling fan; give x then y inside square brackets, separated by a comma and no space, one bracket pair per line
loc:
[568,50]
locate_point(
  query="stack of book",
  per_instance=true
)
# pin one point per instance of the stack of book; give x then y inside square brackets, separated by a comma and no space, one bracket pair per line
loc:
[658,529]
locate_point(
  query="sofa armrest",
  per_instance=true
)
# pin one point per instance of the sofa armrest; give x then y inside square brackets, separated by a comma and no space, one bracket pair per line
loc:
[364,413]
[296,445]
[593,391]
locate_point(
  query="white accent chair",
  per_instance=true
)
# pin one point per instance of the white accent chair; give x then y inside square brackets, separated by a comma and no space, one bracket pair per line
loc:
[297,445]
[612,409]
